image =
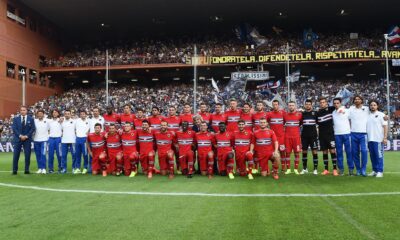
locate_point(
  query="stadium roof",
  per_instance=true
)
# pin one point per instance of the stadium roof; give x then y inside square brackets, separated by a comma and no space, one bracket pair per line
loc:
[82,18]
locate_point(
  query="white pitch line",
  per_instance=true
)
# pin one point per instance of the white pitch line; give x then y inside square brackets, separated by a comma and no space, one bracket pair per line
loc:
[361,228]
[266,195]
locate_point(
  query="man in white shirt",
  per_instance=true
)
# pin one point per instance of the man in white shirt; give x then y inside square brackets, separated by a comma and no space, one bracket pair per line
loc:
[97,118]
[377,130]
[358,119]
[82,130]
[54,139]
[40,139]
[68,139]
[341,127]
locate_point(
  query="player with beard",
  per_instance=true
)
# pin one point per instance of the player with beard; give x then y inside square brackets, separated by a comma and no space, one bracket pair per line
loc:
[129,149]
[326,134]
[146,148]
[205,141]
[185,145]
[244,150]
[292,120]
[155,119]
[275,121]
[164,140]
[309,136]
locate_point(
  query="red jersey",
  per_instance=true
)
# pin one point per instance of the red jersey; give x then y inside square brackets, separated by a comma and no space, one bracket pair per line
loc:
[174,123]
[292,124]
[275,120]
[248,121]
[146,141]
[127,118]
[111,119]
[113,142]
[264,140]
[204,141]
[224,141]
[242,141]
[256,119]
[128,140]
[206,116]
[216,118]
[188,117]
[155,122]
[97,142]
[185,140]
[232,118]
[164,140]
[138,123]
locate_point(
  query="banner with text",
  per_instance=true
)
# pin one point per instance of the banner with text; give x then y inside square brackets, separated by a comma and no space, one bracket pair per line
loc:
[251,76]
[301,57]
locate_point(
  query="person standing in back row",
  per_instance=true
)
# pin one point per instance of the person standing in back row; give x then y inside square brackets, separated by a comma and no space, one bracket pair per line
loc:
[377,130]
[23,128]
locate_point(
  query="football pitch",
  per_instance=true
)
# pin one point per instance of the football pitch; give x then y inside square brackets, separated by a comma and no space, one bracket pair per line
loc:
[294,207]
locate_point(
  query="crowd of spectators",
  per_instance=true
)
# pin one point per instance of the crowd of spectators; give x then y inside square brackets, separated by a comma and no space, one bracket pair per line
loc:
[164,95]
[145,51]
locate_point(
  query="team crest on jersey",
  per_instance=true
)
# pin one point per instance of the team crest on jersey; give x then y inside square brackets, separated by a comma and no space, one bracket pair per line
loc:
[70,122]
[168,135]
[132,134]
[189,132]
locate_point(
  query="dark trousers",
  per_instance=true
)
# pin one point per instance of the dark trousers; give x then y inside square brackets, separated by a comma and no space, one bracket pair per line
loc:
[26,145]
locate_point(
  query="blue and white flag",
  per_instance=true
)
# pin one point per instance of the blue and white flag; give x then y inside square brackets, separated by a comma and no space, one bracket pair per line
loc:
[294,77]
[214,84]
[235,89]
[345,95]
[250,35]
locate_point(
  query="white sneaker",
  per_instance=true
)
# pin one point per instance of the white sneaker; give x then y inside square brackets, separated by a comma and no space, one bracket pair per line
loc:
[39,171]
[304,171]
[74,171]
[78,171]
[372,174]
[43,171]
[315,172]
[379,174]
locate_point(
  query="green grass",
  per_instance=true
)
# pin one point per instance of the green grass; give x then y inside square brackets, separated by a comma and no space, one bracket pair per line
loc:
[28,213]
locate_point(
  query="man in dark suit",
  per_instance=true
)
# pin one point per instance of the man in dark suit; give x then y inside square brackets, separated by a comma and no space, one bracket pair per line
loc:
[23,128]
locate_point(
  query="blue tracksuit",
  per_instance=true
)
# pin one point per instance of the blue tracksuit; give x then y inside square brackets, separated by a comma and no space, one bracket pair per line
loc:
[40,152]
[344,140]
[359,143]
[65,148]
[54,146]
[81,150]
[376,155]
